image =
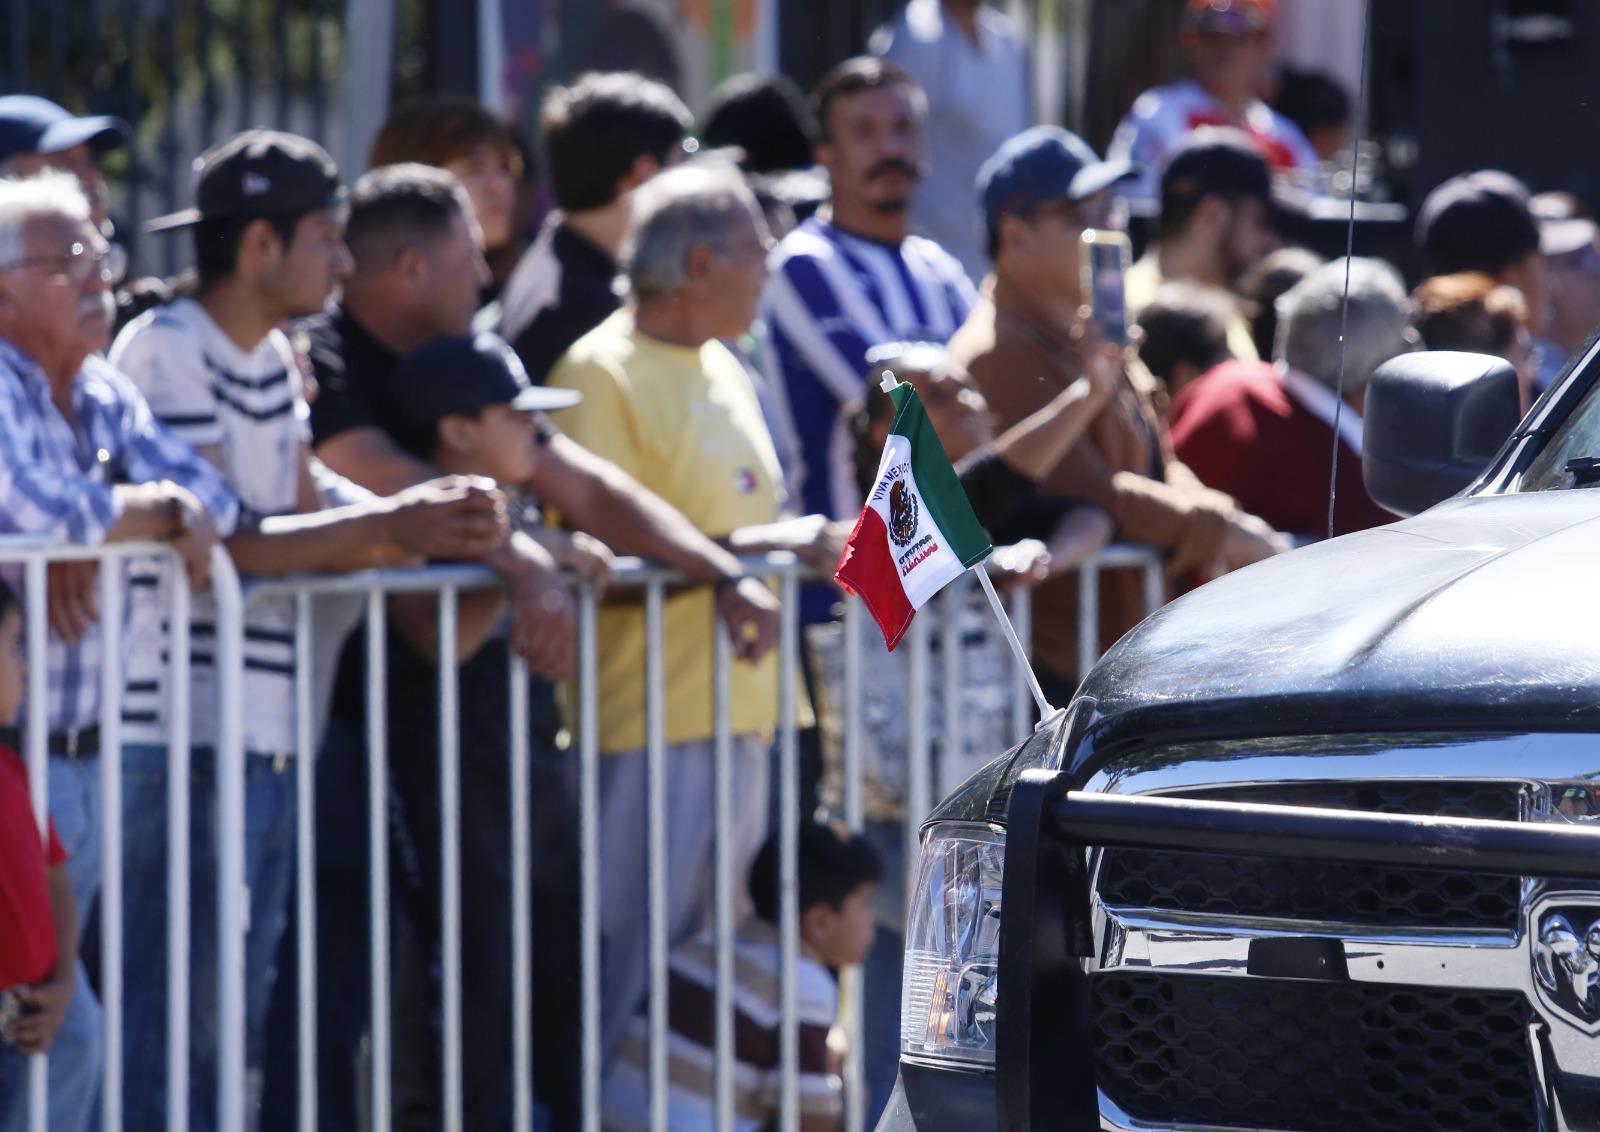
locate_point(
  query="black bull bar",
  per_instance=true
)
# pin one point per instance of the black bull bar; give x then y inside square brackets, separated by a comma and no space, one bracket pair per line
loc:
[1046,929]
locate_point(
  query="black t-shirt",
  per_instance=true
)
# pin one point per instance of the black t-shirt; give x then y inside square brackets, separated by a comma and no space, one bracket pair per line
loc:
[1008,504]
[561,290]
[352,370]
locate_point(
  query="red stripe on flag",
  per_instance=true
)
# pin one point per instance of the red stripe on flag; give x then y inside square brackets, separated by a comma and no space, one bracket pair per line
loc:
[867,570]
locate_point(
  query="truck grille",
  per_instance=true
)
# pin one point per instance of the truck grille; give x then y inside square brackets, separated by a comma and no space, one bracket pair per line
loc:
[1366,895]
[1312,1056]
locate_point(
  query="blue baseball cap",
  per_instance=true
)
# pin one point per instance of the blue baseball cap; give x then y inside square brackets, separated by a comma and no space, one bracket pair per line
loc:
[30,124]
[1044,164]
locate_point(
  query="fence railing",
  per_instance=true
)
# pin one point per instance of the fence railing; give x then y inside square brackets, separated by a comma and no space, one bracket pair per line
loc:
[923,689]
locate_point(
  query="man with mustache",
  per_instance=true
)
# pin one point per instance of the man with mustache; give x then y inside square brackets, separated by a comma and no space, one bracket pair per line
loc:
[851,277]
[83,461]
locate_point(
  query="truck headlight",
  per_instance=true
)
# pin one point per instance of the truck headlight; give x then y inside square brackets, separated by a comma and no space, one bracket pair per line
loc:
[952,961]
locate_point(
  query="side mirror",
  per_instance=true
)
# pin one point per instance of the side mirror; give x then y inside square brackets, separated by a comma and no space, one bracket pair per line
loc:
[1433,421]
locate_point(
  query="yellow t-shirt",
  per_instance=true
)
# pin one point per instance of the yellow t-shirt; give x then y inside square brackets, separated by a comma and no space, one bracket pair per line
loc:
[685,423]
[1144,280]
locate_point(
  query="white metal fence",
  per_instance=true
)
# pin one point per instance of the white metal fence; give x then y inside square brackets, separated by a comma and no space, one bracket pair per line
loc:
[923,686]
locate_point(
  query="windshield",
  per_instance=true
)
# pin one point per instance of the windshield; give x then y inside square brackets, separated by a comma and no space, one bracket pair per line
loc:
[1571,458]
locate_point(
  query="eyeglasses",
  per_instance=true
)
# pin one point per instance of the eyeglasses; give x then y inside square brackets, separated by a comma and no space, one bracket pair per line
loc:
[74,265]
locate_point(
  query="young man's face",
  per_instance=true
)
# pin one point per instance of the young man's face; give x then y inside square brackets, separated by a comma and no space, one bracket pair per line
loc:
[874,152]
[500,442]
[843,935]
[313,266]
[13,667]
[485,172]
[1247,236]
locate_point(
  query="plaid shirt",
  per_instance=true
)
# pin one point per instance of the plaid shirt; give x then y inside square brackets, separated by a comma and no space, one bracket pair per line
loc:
[57,480]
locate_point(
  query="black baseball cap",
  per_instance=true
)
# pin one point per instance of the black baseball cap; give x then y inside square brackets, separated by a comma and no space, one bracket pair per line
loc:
[1214,161]
[258,173]
[30,124]
[1043,164]
[464,374]
[1477,222]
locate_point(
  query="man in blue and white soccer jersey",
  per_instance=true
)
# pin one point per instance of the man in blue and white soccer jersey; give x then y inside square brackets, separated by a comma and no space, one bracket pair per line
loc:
[852,278]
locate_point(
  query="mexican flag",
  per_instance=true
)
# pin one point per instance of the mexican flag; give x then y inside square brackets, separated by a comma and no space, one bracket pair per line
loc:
[917,532]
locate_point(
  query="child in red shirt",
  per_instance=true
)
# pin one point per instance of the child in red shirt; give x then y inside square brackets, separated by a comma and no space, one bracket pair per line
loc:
[38,917]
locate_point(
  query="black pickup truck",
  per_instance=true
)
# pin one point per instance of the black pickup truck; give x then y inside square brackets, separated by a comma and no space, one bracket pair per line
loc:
[1316,847]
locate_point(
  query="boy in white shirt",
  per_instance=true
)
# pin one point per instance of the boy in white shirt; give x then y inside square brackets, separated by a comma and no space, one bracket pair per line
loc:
[218,370]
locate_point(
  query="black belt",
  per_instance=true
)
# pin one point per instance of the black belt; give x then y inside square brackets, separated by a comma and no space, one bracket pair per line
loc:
[81,743]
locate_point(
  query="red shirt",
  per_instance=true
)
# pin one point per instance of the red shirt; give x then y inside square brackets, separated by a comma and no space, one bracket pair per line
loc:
[27,927]
[1242,432]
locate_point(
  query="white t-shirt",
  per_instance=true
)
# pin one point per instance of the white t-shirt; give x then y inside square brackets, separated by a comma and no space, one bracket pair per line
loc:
[1163,117]
[250,407]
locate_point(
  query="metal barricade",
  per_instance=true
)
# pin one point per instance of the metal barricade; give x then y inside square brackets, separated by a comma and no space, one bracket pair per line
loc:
[234,602]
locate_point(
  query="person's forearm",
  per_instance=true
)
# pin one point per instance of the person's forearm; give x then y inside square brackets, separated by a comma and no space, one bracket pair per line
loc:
[1036,445]
[64,911]
[600,499]
[148,512]
[338,540]
[416,616]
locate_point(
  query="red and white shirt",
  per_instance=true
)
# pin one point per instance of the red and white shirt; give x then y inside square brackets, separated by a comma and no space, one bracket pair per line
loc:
[1163,117]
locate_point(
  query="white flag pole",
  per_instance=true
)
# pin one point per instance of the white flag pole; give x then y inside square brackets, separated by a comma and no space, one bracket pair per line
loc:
[1045,710]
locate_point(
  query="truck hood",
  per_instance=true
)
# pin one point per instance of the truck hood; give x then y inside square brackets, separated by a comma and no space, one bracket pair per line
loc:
[1477,613]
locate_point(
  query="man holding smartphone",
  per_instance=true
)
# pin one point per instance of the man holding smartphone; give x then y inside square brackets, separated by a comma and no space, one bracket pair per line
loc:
[1026,340]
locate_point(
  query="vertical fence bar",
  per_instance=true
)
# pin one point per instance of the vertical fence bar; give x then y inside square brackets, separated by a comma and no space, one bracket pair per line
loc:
[111,837]
[37,750]
[1021,698]
[722,807]
[305,754]
[589,852]
[656,851]
[1088,618]
[178,741]
[244,67]
[280,27]
[378,854]
[855,1101]
[917,800]
[316,37]
[233,910]
[204,22]
[954,756]
[789,850]
[450,854]
[19,44]
[521,903]
[1155,587]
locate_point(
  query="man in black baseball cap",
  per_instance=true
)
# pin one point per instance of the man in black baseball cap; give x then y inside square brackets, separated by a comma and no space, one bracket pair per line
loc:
[1483,222]
[36,134]
[1215,223]
[255,174]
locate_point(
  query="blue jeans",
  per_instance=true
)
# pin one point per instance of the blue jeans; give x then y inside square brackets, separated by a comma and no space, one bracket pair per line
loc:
[74,1070]
[269,842]
[75,809]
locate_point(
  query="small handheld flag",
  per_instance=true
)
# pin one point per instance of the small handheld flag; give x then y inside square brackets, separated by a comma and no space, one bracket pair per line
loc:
[917,532]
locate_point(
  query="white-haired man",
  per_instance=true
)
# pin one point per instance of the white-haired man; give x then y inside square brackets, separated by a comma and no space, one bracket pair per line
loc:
[82,461]
[668,403]
[1264,433]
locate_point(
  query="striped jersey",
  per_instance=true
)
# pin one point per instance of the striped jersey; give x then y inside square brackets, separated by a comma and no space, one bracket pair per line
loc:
[831,298]
[691,1040]
[250,408]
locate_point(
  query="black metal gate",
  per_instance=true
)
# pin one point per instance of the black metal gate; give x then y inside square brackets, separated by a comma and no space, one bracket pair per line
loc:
[184,73]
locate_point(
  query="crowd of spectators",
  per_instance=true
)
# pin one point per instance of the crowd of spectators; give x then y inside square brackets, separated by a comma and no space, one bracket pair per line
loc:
[680,363]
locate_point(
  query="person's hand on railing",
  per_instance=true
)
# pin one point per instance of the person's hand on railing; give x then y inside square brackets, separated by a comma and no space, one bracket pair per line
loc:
[750,612]
[194,534]
[454,517]
[584,556]
[814,539]
[1020,566]
[71,606]
[1249,540]
[544,627]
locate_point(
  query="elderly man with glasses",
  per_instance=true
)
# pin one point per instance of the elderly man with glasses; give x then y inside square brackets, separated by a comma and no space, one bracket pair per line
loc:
[83,462]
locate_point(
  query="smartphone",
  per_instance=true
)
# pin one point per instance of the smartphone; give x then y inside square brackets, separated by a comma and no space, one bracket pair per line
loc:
[1104,264]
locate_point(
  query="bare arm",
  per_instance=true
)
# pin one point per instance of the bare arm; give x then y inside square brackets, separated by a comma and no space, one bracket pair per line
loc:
[49,1000]
[371,458]
[1036,444]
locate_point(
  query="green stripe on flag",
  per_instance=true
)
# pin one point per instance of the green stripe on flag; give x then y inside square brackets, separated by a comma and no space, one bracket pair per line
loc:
[937,482]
